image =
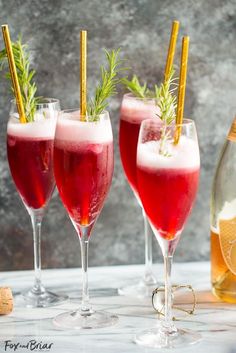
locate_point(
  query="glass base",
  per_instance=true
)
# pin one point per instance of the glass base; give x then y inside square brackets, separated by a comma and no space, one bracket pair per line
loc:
[154,338]
[142,289]
[77,320]
[41,298]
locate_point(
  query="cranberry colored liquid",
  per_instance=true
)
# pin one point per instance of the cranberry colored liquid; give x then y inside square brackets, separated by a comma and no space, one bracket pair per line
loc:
[167,196]
[30,161]
[83,175]
[128,140]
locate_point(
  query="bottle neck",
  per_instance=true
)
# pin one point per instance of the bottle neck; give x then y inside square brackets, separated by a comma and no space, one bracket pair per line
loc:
[232,132]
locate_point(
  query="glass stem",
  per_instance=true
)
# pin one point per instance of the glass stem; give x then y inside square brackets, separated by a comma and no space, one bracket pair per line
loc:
[168,295]
[84,244]
[149,279]
[168,325]
[168,248]
[36,219]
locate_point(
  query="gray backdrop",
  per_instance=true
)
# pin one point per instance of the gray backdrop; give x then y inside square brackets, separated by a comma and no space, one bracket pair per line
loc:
[141,28]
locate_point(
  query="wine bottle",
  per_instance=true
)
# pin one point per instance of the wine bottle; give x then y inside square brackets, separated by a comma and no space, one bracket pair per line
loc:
[223,222]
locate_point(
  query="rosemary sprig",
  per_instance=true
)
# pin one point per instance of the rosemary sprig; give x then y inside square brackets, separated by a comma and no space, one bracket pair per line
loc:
[135,87]
[167,102]
[107,87]
[25,76]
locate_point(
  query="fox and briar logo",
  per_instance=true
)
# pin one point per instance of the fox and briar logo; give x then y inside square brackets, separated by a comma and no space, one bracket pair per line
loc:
[31,345]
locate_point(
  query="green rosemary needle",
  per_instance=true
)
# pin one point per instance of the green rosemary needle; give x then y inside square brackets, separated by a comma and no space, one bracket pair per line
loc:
[107,87]
[134,86]
[167,102]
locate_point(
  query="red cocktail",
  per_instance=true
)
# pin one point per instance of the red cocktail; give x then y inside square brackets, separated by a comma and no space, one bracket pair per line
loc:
[30,156]
[167,174]
[83,172]
[83,167]
[30,161]
[133,111]
[167,188]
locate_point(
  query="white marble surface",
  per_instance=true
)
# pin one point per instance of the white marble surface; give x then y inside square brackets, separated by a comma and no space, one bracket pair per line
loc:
[216,321]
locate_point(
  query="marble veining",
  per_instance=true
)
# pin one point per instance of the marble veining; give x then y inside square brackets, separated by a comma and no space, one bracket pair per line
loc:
[213,319]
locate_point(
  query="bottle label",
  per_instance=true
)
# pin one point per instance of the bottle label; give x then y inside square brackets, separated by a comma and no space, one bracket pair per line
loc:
[232,132]
[228,242]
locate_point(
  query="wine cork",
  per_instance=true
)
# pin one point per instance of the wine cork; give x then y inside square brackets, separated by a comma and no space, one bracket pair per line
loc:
[6,300]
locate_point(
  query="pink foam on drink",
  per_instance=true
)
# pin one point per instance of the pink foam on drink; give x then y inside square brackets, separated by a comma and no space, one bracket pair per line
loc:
[43,127]
[71,129]
[135,110]
[185,155]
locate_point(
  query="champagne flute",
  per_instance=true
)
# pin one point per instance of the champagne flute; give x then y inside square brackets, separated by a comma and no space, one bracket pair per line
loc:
[168,176]
[83,166]
[133,111]
[30,157]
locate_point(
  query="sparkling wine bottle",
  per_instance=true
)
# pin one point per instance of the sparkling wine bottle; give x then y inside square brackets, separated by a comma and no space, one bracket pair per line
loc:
[223,222]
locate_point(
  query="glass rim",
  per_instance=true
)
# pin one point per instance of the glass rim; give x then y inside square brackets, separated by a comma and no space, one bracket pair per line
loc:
[130,95]
[105,113]
[186,122]
[43,101]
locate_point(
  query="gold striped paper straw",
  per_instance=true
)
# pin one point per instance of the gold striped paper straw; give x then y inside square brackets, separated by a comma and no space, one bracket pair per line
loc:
[83,74]
[13,73]
[171,50]
[182,88]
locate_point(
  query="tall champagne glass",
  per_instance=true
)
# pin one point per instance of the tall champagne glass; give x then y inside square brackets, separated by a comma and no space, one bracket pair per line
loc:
[30,157]
[168,176]
[133,111]
[83,166]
